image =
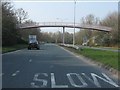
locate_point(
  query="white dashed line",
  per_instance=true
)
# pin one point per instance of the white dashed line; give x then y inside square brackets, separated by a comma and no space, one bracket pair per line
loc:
[14,74]
[30,60]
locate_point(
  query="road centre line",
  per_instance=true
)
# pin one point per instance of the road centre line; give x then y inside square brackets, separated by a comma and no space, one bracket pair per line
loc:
[14,74]
[30,60]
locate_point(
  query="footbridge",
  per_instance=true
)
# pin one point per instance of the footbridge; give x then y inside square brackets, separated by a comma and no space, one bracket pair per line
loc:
[65,25]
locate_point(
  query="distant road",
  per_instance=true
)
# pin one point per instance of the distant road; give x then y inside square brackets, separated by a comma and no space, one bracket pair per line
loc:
[52,67]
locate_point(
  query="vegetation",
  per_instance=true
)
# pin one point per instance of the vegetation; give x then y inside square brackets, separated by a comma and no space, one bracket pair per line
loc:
[93,38]
[96,38]
[13,48]
[108,58]
[26,32]
[12,37]
[9,32]
[56,37]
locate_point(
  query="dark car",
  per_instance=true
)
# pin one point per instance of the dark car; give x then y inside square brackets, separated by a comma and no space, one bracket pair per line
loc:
[33,45]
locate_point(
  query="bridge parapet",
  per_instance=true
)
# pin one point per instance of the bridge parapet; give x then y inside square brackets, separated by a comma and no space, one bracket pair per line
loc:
[66,24]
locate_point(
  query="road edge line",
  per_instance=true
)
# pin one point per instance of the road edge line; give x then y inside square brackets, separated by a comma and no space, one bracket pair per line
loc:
[114,72]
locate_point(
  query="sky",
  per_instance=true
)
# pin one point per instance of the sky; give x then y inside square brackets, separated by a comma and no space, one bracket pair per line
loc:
[63,11]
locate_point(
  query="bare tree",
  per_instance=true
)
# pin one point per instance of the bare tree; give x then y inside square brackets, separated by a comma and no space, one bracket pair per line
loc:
[21,15]
[87,33]
[111,20]
[34,31]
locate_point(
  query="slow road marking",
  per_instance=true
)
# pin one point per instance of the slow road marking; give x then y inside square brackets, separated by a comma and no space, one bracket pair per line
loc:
[41,80]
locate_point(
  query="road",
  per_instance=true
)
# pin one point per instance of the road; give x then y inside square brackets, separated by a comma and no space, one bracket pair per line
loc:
[51,67]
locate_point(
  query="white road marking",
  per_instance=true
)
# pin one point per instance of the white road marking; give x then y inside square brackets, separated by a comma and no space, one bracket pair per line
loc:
[33,85]
[95,80]
[110,80]
[41,80]
[36,79]
[14,74]
[53,83]
[30,60]
[84,84]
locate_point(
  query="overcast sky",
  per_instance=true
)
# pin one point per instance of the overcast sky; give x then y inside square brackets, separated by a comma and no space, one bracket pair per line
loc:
[57,11]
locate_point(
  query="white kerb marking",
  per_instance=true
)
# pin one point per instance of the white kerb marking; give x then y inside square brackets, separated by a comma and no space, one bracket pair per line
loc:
[77,56]
[14,74]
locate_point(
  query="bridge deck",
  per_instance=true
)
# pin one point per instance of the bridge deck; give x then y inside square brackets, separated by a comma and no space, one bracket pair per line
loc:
[68,25]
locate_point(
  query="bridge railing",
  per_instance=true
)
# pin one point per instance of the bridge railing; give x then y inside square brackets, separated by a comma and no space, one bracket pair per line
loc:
[67,24]
[50,24]
[58,23]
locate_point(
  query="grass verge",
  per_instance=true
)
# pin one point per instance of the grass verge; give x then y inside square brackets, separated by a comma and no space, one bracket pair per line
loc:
[6,49]
[108,58]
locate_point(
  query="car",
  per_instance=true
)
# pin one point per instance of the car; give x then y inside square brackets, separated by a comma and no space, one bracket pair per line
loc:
[33,43]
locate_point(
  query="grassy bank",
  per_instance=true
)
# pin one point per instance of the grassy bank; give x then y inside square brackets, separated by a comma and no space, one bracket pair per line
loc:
[106,57]
[13,48]
[114,48]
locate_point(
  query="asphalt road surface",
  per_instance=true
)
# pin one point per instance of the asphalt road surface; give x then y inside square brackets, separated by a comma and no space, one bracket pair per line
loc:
[51,67]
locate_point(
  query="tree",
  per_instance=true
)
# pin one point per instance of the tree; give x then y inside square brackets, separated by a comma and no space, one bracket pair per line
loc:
[9,32]
[33,31]
[68,38]
[90,20]
[111,20]
[21,15]
[80,37]
[86,34]
[10,20]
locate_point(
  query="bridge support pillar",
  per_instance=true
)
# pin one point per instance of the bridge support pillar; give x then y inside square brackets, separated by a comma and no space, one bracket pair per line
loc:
[63,35]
